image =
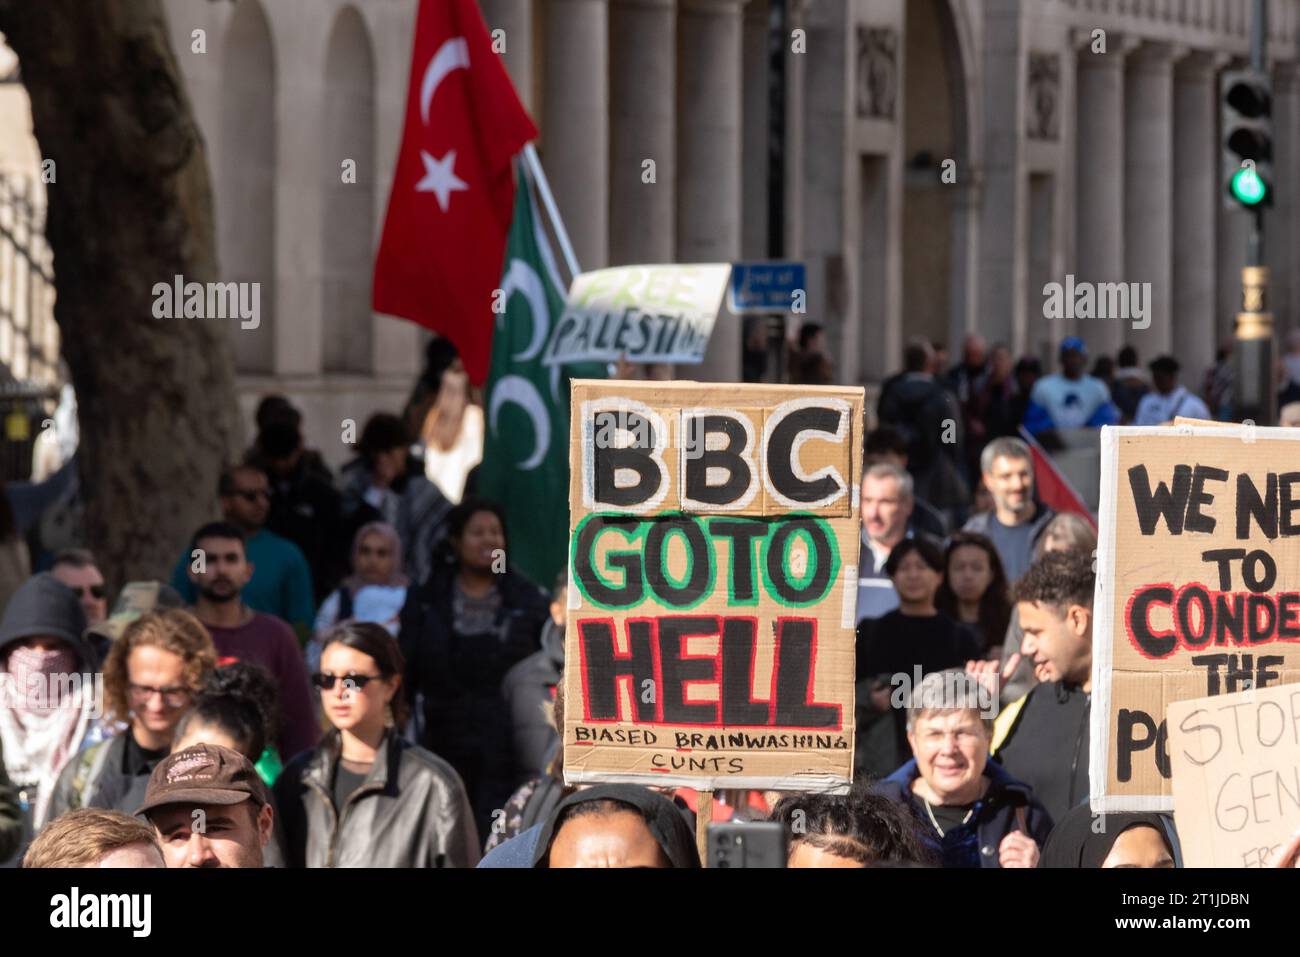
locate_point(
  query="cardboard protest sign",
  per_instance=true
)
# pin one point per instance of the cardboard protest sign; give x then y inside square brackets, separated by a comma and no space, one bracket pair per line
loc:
[646,313]
[712,585]
[1198,589]
[1236,767]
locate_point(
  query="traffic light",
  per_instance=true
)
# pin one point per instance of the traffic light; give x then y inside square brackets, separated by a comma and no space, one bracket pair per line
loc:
[1247,127]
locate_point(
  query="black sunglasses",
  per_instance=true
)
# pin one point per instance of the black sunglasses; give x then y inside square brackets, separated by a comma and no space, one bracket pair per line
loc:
[99,591]
[253,495]
[324,682]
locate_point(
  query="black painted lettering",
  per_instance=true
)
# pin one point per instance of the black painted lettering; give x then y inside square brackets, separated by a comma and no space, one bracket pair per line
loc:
[608,461]
[780,454]
[700,459]
[602,667]
[1197,520]
[794,681]
[1212,665]
[677,670]
[742,534]
[738,707]
[1167,501]
[1251,506]
[627,595]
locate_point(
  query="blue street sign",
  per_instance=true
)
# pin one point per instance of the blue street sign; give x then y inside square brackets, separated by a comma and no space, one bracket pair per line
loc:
[766,287]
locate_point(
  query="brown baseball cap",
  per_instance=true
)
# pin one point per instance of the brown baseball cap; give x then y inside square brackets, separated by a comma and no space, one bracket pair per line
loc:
[203,774]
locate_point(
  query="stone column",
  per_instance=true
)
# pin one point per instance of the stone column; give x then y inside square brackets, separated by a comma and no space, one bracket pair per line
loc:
[1100,211]
[1149,195]
[575,122]
[708,158]
[1196,193]
[515,18]
[1002,251]
[756,105]
[643,103]
[1282,244]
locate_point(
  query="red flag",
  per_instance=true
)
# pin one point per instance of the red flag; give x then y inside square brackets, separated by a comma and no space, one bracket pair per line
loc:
[449,209]
[1053,489]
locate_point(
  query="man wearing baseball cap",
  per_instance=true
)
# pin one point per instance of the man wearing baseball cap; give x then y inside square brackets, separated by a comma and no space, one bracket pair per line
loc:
[210,808]
[1069,399]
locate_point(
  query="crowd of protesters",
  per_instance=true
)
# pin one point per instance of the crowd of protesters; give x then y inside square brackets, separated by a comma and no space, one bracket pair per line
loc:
[338,672]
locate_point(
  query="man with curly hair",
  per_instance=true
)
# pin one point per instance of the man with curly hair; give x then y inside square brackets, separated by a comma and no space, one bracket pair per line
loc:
[150,678]
[858,829]
[1047,747]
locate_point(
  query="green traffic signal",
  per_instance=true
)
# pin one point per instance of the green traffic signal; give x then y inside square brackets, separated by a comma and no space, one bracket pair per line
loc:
[1248,187]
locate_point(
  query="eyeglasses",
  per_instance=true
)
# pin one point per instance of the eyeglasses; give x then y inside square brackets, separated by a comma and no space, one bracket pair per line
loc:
[99,591]
[172,697]
[325,682]
[252,495]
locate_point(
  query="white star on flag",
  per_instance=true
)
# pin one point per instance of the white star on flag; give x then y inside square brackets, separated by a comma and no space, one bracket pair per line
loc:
[440,178]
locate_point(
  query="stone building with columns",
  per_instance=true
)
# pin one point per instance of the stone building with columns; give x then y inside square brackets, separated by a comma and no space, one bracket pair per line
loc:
[1064,161]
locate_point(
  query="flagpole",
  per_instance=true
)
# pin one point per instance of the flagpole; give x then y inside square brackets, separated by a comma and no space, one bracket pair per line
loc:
[544,190]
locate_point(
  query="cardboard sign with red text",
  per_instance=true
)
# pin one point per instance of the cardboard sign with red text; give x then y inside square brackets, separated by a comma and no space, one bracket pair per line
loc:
[713,554]
[1198,589]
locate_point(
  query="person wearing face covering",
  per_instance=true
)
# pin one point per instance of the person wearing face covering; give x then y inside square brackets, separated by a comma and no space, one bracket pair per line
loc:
[1085,840]
[616,825]
[45,711]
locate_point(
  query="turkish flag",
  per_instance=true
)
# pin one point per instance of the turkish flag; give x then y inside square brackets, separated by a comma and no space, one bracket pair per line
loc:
[449,209]
[1054,489]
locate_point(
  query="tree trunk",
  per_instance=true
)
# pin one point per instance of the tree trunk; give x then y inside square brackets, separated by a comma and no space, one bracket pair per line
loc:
[130,206]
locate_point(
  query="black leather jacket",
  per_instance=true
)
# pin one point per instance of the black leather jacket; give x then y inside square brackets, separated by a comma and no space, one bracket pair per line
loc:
[411,811]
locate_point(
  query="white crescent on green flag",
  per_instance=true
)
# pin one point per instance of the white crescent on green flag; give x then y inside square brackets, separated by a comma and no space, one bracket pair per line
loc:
[526,449]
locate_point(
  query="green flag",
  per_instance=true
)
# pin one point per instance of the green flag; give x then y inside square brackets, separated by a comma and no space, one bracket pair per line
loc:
[526,448]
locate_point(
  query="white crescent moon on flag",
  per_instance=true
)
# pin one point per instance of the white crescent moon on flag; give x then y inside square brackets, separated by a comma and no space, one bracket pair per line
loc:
[522,278]
[521,392]
[452,55]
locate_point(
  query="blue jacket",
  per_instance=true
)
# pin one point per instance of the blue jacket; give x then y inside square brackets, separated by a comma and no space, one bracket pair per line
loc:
[997,814]
[516,852]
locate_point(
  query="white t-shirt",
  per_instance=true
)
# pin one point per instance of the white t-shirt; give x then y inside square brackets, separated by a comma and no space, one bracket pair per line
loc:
[448,470]
[1157,409]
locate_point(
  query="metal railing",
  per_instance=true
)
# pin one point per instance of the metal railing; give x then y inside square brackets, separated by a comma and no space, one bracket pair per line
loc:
[29,342]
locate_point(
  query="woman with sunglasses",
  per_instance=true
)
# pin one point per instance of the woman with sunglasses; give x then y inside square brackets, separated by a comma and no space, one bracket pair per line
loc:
[151,677]
[366,797]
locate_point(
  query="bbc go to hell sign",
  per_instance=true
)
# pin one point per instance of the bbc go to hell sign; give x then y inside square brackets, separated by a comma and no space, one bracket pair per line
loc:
[712,585]
[641,313]
[1198,589]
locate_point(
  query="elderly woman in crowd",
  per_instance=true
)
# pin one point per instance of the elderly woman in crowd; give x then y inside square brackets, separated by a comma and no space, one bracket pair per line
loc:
[971,812]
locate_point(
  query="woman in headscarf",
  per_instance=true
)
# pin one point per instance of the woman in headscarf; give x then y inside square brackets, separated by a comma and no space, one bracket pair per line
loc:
[616,825]
[1124,840]
[374,592]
